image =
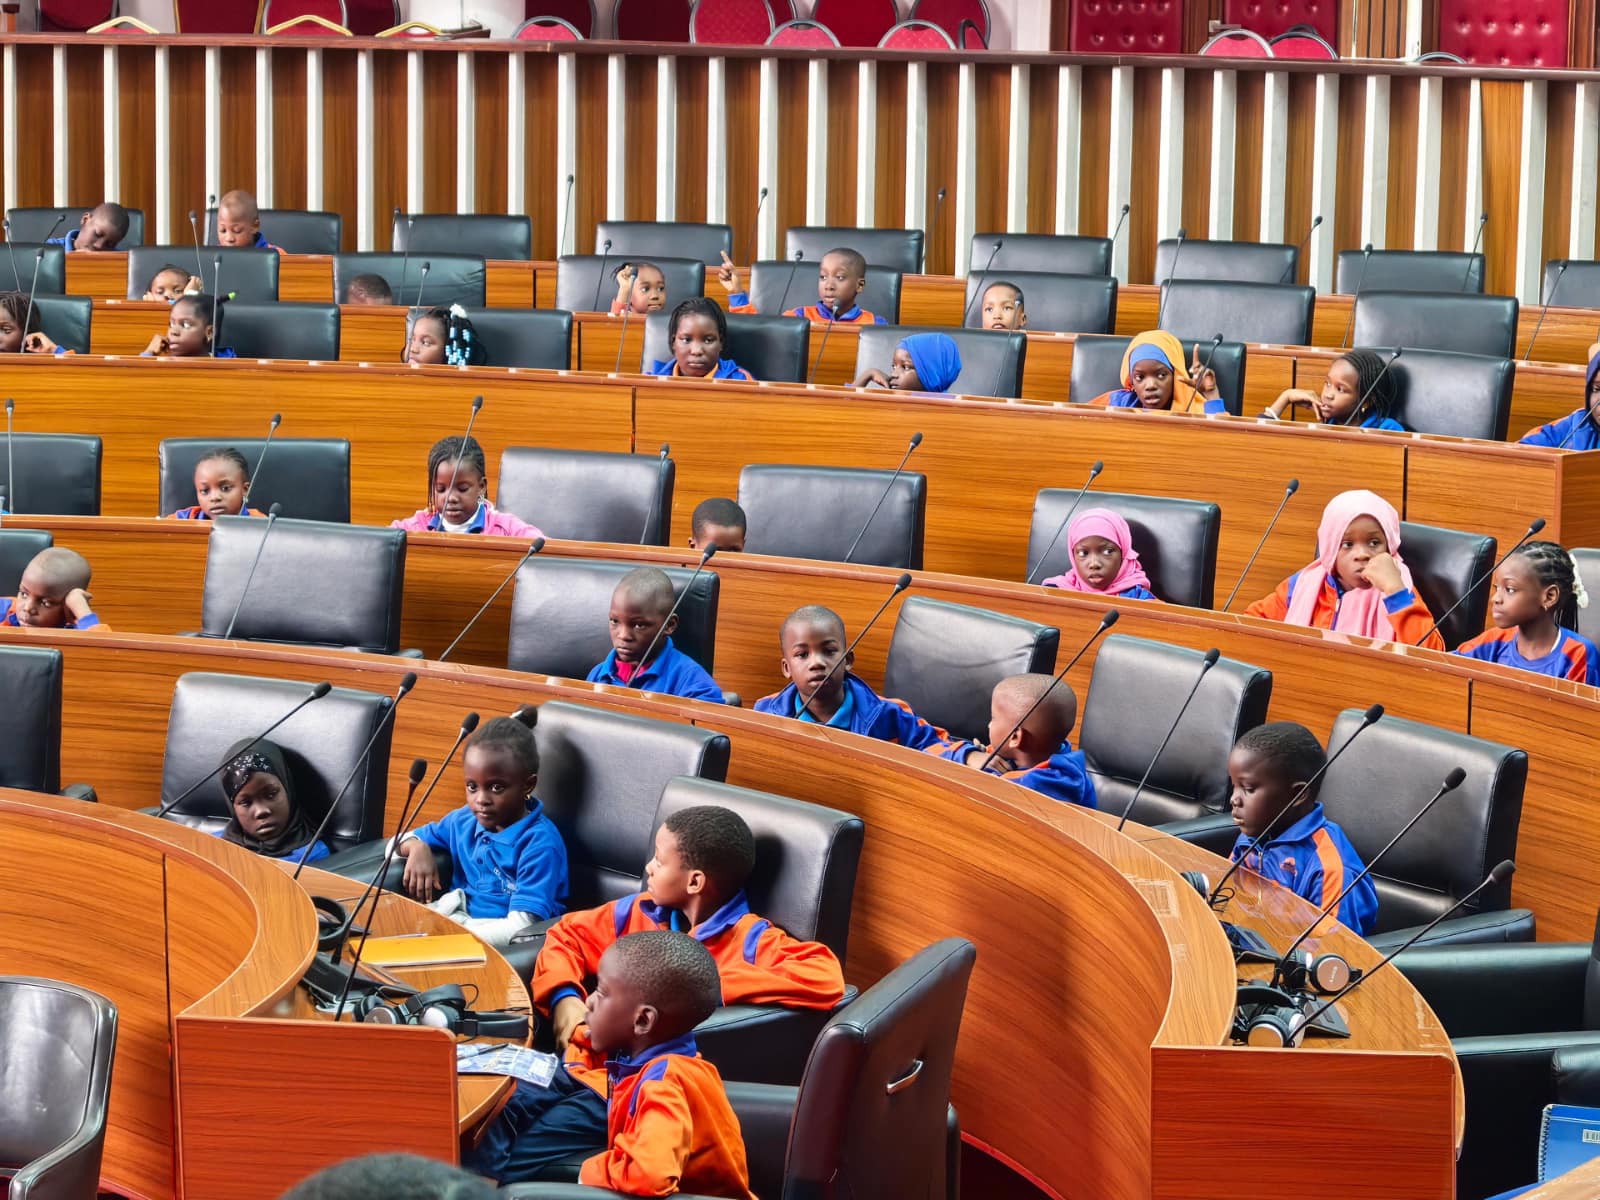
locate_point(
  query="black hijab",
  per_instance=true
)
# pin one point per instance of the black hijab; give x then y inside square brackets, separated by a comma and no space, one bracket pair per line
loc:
[263,758]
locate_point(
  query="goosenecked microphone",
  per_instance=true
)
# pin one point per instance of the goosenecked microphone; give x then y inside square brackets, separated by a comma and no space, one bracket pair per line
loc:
[1206,663]
[534,548]
[916,440]
[1290,489]
[900,585]
[1106,622]
[655,495]
[1172,269]
[1094,472]
[1532,530]
[1372,387]
[1366,257]
[683,593]
[272,517]
[1289,271]
[272,428]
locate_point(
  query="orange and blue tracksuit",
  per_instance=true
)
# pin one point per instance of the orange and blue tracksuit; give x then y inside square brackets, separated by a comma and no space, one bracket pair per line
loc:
[1575,431]
[726,369]
[1315,860]
[195,513]
[864,712]
[9,618]
[1573,657]
[670,673]
[1407,613]
[739,302]
[1063,776]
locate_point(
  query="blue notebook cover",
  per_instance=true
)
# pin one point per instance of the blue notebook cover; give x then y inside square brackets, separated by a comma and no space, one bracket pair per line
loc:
[1569,1136]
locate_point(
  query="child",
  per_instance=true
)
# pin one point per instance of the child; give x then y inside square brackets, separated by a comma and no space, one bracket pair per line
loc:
[191,328]
[1537,594]
[1154,377]
[1003,307]
[263,815]
[923,362]
[1358,583]
[1579,430]
[221,481]
[721,521]
[1270,768]
[239,223]
[52,593]
[697,334]
[101,228]
[1354,376]
[15,312]
[171,284]
[369,289]
[445,336]
[639,607]
[812,639]
[641,289]
[1103,559]
[1037,754]
[458,495]
[507,859]
[840,277]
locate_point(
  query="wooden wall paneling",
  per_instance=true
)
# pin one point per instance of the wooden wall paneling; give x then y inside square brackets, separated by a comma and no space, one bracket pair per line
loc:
[1197,88]
[1094,154]
[1557,189]
[788,198]
[691,193]
[1581,33]
[843,101]
[994,101]
[593,117]
[546,206]
[35,78]
[1299,184]
[341,138]
[1404,171]
[289,127]
[392,141]
[443,129]
[1043,135]
[1502,160]
[491,120]
[1352,166]
[1249,98]
[943,93]
[1148,142]
[85,110]
[185,169]
[892,150]
[237,118]
[1451,182]
[741,90]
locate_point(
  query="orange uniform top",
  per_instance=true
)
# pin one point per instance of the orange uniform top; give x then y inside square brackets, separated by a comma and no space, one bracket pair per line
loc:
[1407,613]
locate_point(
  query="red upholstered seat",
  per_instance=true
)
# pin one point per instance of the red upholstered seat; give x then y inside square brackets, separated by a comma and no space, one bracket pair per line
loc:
[546,29]
[368,18]
[730,22]
[653,20]
[276,12]
[1505,33]
[782,12]
[803,33]
[1237,43]
[1269,18]
[856,22]
[917,35]
[216,16]
[74,16]
[948,15]
[1126,27]
[1302,44]
[577,13]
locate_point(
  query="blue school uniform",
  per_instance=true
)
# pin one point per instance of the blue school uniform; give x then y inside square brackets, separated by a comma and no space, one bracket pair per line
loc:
[9,618]
[68,241]
[1136,592]
[523,868]
[726,369]
[854,315]
[309,853]
[1063,776]
[1572,657]
[1563,434]
[671,673]
[863,712]
[195,513]
[1315,861]
[1374,421]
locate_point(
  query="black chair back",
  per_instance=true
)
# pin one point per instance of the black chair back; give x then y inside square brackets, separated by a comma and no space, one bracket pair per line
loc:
[21,259]
[1463,324]
[66,321]
[1587,561]
[281,330]
[18,548]
[248,273]
[1176,540]
[1278,313]
[589,495]
[892,249]
[58,474]
[1462,395]
[1576,286]
[1372,793]
[650,239]
[1063,254]
[816,512]
[1408,270]
[945,659]
[777,286]
[1237,262]
[1443,564]
[1054,303]
[309,477]
[1097,367]
[559,607]
[585,283]
[1135,693]
[499,236]
[534,339]
[449,279]
[30,720]
[769,347]
[991,362]
[293,230]
[322,744]
[34,224]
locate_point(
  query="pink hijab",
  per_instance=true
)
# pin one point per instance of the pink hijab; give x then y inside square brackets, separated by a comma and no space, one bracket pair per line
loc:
[1103,523]
[1361,610]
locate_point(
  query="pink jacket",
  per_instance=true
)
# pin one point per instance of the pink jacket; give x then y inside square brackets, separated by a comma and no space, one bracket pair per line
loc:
[494,522]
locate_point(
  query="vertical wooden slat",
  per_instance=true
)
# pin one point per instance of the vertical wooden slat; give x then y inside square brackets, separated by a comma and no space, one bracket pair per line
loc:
[1169,171]
[1530,192]
[59,127]
[666,138]
[566,148]
[1224,93]
[466,134]
[817,142]
[1069,126]
[517,135]
[716,140]
[966,164]
[767,156]
[8,100]
[916,145]
[366,151]
[1375,153]
[1325,181]
[1017,137]
[1430,126]
[163,151]
[314,143]
[1119,184]
[264,164]
[867,144]
[1585,134]
[1274,146]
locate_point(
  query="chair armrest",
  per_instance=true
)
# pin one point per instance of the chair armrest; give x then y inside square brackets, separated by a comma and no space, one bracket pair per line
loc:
[66,1171]
[361,862]
[1215,832]
[81,791]
[1504,926]
[522,952]
[410,653]
[762,1043]
[1484,990]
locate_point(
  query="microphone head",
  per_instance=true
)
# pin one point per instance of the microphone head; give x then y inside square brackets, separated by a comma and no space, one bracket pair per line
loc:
[396,212]
[1095,468]
[903,582]
[666,449]
[5,223]
[1482,218]
[705,555]
[1367,249]
[277,419]
[763,193]
[407,682]
[940,196]
[1395,355]
[477,401]
[1502,872]
[799,254]
[1111,618]
[916,440]
[535,546]
[1372,714]
[1292,488]
[38,257]
[216,260]
[10,403]
[1453,780]
[606,249]
[1211,657]
[1182,233]
[1125,209]
[469,723]
[193,217]
[527,714]
[276,509]
[426,267]
[1538,524]
[1316,220]
[321,690]
[1216,340]
[569,178]
[419,769]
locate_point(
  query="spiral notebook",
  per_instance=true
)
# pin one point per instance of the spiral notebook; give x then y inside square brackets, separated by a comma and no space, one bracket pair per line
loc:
[1569,1136]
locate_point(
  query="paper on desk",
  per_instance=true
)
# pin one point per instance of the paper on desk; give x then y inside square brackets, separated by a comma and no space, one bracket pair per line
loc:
[516,1061]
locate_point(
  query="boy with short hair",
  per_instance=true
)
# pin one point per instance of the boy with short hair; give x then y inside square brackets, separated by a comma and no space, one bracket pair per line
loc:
[369,289]
[813,639]
[1270,769]
[639,619]
[840,277]
[239,223]
[1038,753]
[52,593]
[718,520]
[1003,307]
[101,228]
[171,284]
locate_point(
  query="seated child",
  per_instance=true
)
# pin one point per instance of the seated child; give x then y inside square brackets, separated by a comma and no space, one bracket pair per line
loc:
[840,277]
[101,228]
[697,334]
[1037,754]
[1537,594]
[171,284]
[923,362]
[191,328]
[639,607]
[15,313]
[507,859]
[1578,430]
[1358,584]
[221,482]
[812,639]
[1269,769]
[1003,308]
[263,815]
[1353,376]
[641,289]
[444,336]
[458,495]
[1102,558]
[721,521]
[1154,377]
[52,593]
[369,289]
[239,223]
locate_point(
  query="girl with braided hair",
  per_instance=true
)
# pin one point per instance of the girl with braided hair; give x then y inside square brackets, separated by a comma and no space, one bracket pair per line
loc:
[444,336]
[458,495]
[1356,378]
[1536,598]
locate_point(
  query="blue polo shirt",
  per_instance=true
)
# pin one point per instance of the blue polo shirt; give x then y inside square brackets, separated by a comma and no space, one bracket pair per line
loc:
[523,868]
[671,673]
[1063,776]
[864,712]
[1315,860]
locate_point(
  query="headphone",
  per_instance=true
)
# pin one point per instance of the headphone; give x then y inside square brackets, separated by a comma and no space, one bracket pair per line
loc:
[1323,973]
[442,1008]
[1267,1016]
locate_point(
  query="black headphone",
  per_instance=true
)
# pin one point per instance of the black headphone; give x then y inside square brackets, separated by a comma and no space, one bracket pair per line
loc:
[1324,973]
[1267,1016]
[442,1008]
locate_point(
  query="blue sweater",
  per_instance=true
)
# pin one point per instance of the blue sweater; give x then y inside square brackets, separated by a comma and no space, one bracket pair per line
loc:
[1315,860]
[1063,776]
[863,712]
[671,673]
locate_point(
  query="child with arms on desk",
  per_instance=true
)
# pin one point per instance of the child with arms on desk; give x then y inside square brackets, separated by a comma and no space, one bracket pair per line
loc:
[1356,379]
[19,327]
[697,337]
[52,593]
[191,330]
[1037,753]
[101,228]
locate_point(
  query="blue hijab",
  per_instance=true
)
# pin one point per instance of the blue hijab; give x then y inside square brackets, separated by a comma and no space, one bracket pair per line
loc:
[935,359]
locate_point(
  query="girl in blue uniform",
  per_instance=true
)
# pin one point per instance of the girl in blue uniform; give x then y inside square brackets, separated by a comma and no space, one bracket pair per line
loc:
[1537,594]
[1575,431]
[1356,376]
[697,337]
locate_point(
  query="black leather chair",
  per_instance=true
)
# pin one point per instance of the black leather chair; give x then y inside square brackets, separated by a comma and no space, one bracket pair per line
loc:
[248,273]
[57,474]
[498,236]
[945,659]
[322,745]
[1576,286]
[1587,561]
[537,339]
[1465,324]
[816,512]
[1444,563]
[1408,270]
[1097,367]
[281,330]
[872,1114]
[1462,395]
[559,607]
[589,495]
[769,347]
[1237,262]
[17,549]
[20,261]
[66,320]
[991,362]
[1062,254]
[649,239]
[777,286]
[450,279]
[309,477]
[1276,313]
[1176,540]
[1054,303]
[584,282]
[891,249]
[30,719]
[57,1045]
[293,230]
[318,583]
[34,224]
